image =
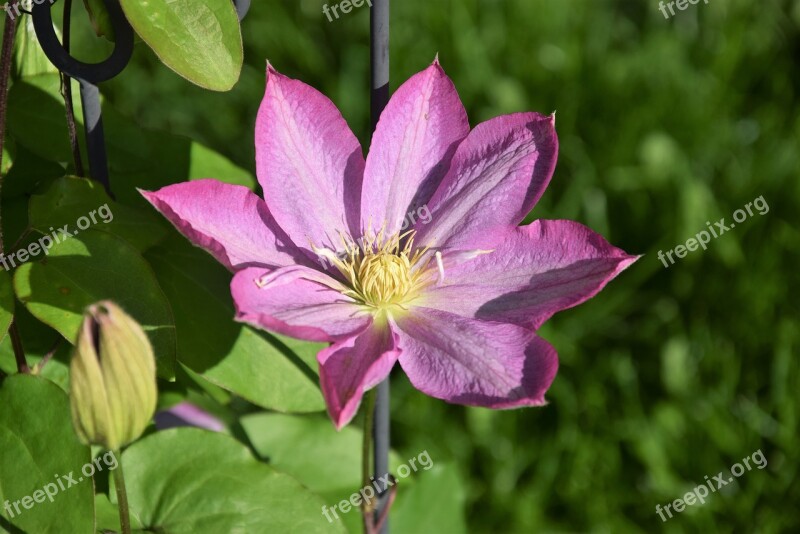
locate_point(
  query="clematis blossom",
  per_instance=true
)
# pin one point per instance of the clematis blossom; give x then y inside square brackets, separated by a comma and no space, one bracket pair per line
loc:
[334,254]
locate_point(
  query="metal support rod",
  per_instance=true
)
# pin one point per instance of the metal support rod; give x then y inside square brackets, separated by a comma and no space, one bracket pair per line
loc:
[379,96]
[95,140]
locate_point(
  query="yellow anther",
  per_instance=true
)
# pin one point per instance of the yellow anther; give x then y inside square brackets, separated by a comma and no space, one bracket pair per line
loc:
[380,271]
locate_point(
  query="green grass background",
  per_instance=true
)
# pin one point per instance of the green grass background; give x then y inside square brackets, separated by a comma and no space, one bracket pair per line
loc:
[670,374]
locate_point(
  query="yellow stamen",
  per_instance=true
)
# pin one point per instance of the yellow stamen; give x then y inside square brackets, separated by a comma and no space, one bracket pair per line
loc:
[380,272]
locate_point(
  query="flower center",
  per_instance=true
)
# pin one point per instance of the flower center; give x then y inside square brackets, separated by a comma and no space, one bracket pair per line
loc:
[379,271]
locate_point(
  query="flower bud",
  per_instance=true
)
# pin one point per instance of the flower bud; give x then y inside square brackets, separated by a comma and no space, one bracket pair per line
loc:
[112,378]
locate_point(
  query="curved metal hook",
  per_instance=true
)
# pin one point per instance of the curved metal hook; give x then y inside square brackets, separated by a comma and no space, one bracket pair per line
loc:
[90,72]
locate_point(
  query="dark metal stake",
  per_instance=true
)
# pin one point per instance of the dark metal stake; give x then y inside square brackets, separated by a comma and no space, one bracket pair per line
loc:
[95,141]
[379,97]
[88,75]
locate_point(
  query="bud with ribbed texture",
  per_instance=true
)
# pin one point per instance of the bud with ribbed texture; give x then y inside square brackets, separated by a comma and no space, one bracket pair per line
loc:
[112,378]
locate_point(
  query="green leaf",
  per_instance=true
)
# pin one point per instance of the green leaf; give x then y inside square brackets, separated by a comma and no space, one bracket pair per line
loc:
[98,16]
[9,153]
[27,174]
[199,39]
[29,58]
[36,117]
[192,481]
[90,267]
[309,448]
[68,199]
[429,499]
[205,163]
[434,504]
[107,516]
[173,158]
[236,357]
[37,339]
[39,448]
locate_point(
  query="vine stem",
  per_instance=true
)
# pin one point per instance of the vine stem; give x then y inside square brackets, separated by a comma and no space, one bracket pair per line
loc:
[122,494]
[9,33]
[66,92]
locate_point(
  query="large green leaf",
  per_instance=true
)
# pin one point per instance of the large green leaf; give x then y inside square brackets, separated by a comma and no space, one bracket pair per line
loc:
[193,481]
[199,39]
[249,363]
[36,116]
[90,267]
[27,174]
[205,163]
[171,159]
[38,339]
[310,449]
[39,448]
[29,58]
[434,504]
[329,462]
[68,199]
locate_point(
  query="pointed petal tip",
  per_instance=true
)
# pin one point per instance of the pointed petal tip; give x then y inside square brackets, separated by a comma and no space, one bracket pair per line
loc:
[436,60]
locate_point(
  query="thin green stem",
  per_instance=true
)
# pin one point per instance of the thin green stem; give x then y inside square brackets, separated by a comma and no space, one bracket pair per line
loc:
[122,495]
[366,455]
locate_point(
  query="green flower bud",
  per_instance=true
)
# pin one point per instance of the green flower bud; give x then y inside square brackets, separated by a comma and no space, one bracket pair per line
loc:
[112,378]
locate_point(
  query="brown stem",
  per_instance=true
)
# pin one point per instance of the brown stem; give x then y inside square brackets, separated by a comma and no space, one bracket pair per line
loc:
[49,356]
[9,32]
[66,92]
[19,352]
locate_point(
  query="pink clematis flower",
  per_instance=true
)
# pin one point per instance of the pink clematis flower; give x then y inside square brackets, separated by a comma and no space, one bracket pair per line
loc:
[412,255]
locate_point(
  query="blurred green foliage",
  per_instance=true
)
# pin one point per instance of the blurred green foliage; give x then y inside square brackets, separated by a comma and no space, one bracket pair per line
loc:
[670,374]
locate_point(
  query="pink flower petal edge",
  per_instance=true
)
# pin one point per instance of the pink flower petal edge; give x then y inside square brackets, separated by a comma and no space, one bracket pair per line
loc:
[296,301]
[229,221]
[535,271]
[497,175]
[478,363]
[351,366]
[411,149]
[308,162]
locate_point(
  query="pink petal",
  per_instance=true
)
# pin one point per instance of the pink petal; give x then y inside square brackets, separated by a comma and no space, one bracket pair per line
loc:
[478,363]
[187,414]
[497,175]
[308,162]
[536,271]
[351,366]
[229,221]
[411,149]
[298,302]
